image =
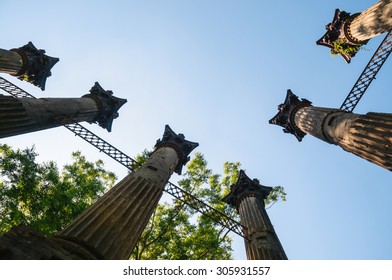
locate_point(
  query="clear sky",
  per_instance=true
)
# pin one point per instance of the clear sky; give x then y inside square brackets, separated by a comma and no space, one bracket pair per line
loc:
[216,72]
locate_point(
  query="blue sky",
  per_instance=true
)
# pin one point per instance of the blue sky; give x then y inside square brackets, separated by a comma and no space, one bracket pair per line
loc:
[216,72]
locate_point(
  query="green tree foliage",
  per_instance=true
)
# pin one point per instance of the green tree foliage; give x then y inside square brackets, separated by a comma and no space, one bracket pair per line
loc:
[177,231]
[42,196]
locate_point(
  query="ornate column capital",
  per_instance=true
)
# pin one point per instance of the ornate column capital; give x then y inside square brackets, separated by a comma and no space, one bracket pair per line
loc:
[245,187]
[338,36]
[179,144]
[287,110]
[107,104]
[36,65]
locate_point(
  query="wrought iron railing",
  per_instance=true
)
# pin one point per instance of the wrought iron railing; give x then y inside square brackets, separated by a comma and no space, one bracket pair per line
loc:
[368,74]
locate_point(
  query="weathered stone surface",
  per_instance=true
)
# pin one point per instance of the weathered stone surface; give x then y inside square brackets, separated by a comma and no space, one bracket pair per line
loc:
[22,243]
[24,115]
[372,22]
[247,196]
[113,225]
[108,105]
[179,144]
[10,62]
[367,136]
[346,34]
[36,65]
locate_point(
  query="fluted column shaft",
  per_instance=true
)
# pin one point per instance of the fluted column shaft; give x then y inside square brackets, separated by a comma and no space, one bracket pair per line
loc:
[115,222]
[10,62]
[368,136]
[372,22]
[24,115]
[263,243]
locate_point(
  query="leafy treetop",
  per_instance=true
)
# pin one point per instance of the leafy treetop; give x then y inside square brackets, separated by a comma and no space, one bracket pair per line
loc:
[41,196]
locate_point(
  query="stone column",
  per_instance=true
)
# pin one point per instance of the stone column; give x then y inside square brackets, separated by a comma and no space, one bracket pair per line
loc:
[370,23]
[28,64]
[347,33]
[23,243]
[367,136]
[24,115]
[247,196]
[113,225]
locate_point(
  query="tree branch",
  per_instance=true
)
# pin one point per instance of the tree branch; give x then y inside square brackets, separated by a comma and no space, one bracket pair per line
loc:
[144,240]
[166,229]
